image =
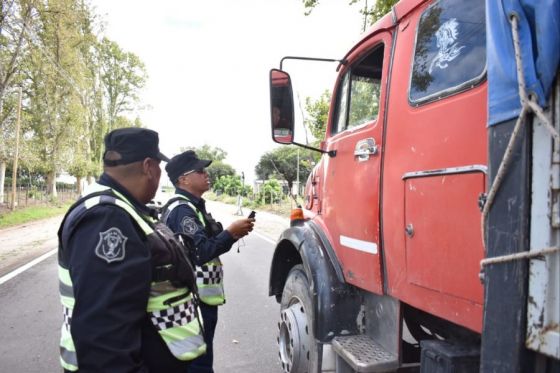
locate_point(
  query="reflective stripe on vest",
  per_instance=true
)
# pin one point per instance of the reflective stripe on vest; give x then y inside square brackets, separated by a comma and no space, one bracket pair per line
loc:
[209,276]
[177,323]
[68,357]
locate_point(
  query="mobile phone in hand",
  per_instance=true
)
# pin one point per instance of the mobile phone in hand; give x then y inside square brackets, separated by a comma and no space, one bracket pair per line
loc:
[252,215]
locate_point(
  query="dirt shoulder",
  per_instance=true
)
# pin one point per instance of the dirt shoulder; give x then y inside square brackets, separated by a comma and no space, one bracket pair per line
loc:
[22,243]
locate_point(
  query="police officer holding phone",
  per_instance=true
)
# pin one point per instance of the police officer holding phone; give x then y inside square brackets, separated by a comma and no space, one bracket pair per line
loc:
[128,290]
[185,213]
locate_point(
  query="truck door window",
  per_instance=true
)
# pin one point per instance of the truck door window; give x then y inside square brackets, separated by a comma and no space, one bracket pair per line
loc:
[358,93]
[450,51]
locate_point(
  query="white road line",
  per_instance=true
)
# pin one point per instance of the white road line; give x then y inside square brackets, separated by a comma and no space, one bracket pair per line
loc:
[38,260]
[25,267]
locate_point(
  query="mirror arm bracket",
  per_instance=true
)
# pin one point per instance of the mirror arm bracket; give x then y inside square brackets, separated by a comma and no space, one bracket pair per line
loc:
[341,62]
[331,153]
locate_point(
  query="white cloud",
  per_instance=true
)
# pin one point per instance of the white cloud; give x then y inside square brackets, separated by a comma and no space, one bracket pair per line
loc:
[208,64]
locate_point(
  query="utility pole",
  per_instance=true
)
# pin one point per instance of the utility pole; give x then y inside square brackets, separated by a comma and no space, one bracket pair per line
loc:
[16,155]
[297,174]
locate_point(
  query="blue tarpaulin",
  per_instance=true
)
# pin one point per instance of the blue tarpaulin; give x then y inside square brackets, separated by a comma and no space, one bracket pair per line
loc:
[539,30]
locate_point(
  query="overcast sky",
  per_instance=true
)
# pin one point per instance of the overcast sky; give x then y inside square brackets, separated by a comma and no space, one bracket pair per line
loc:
[208,64]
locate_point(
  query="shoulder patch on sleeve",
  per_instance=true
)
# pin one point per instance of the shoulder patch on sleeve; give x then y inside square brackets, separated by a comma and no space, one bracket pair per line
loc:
[189,226]
[111,245]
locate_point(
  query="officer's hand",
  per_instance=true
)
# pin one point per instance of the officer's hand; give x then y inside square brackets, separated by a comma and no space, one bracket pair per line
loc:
[241,228]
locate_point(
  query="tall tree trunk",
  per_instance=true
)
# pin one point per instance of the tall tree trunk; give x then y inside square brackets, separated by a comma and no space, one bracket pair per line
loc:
[2,180]
[2,163]
[51,184]
[79,185]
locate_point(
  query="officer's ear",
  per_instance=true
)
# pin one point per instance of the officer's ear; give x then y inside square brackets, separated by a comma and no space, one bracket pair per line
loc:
[182,180]
[149,166]
[146,166]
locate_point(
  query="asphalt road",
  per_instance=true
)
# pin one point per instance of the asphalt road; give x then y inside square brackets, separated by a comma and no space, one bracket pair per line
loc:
[246,332]
[30,322]
[245,336]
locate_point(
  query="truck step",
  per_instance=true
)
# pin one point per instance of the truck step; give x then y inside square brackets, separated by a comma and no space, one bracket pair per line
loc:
[363,354]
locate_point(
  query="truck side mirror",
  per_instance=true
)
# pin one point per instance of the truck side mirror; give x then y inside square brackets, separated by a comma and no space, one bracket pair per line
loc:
[281,107]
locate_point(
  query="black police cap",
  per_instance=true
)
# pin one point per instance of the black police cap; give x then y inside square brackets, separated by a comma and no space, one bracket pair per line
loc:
[183,163]
[127,145]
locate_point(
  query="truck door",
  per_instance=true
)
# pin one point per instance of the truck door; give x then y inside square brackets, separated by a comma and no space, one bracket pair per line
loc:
[435,161]
[352,180]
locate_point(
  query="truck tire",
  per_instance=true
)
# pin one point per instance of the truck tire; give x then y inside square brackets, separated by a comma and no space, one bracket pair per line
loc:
[298,350]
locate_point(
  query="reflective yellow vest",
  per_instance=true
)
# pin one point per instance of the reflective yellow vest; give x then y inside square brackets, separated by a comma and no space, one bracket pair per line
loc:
[177,322]
[209,276]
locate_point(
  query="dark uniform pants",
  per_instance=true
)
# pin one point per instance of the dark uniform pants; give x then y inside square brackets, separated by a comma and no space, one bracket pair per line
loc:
[203,364]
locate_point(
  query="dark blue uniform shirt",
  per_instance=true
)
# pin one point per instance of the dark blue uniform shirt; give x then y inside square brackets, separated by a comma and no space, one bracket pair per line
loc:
[110,325]
[184,220]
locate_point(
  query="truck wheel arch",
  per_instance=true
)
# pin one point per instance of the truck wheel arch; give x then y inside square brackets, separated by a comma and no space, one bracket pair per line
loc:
[335,303]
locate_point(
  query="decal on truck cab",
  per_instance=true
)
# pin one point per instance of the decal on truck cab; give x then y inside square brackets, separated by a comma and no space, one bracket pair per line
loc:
[446,41]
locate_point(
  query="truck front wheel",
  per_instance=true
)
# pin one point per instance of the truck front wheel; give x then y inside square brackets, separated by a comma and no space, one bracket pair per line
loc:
[296,342]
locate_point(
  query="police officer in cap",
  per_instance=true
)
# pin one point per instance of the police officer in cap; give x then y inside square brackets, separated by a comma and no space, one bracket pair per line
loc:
[185,213]
[127,289]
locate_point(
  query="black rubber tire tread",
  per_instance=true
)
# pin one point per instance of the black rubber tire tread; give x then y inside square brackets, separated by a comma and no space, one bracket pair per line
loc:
[297,288]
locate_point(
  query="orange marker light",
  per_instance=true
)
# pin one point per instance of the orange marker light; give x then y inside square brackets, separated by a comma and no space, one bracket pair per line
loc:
[296,214]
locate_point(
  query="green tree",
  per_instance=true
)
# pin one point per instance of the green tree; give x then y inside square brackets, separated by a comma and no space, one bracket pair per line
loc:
[218,169]
[88,162]
[86,145]
[371,13]
[365,100]
[228,184]
[113,79]
[317,115]
[75,88]
[217,156]
[233,186]
[208,152]
[219,186]
[123,75]
[56,72]
[15,15]
[271,190]
[282,163]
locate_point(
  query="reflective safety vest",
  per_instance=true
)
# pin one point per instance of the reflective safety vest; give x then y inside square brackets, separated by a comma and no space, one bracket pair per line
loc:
[172,310]
[209,276]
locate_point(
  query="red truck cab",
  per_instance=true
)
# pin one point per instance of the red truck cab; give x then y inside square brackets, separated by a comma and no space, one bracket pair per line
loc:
[389,253]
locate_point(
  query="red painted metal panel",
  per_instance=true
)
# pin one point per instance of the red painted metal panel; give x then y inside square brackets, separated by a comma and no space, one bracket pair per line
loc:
[444,244]
[350,191]
[443,134]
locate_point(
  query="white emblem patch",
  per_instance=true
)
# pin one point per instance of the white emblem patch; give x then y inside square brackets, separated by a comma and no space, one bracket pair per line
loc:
[111,245]
[189,226]
[446,36]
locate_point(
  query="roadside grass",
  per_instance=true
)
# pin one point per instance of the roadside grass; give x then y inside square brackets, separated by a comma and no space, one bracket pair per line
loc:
[282,208]
[25,215]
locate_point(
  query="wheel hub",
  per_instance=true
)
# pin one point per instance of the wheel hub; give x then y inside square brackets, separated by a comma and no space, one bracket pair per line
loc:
[293,338]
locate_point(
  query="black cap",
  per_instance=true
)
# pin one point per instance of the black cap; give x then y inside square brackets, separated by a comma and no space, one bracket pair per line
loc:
[127,145]
[184,162]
